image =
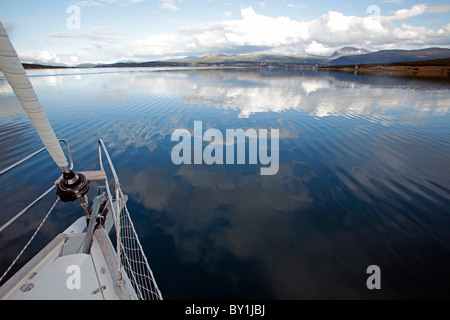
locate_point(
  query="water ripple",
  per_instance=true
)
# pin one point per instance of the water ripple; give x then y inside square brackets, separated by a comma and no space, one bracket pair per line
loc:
[364,177]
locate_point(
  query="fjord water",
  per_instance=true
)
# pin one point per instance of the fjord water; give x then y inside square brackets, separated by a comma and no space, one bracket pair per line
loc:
[364,178]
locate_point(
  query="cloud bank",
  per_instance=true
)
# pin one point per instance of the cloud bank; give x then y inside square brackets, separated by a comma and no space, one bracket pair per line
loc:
[322,36]
[254,32]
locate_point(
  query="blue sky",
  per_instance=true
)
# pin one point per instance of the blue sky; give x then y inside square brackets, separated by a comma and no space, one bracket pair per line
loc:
[72,32]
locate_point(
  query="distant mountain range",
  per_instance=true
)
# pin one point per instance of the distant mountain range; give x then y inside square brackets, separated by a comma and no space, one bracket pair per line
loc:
[262,58]
[344,56]
[253,58]
[391,56]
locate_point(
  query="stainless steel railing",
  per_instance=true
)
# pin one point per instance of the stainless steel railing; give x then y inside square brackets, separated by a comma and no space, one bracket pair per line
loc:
[130,255]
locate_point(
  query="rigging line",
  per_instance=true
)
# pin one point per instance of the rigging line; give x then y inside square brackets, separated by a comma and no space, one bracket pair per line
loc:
[29,241]
[27,208]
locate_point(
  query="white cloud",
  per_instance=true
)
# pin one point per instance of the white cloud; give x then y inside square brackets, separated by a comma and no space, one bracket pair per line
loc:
[41,56]
[252,32]
[297,6]
[408,32]
[318,49]
[403,14]
[169,5]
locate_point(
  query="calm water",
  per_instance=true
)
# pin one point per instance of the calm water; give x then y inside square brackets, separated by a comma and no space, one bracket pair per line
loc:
[364,178]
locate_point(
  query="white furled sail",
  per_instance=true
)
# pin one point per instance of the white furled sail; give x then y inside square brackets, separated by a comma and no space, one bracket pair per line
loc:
[15,74]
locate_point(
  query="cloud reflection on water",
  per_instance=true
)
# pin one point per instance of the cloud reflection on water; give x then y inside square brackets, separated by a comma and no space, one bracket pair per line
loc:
[318,94]
[362,163]
[247,215]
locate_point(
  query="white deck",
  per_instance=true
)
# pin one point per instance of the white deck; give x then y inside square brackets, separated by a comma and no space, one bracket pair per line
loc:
[46,276]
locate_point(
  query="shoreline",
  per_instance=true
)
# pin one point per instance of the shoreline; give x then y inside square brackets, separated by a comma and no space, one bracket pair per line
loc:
[410,70]
[423,71]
